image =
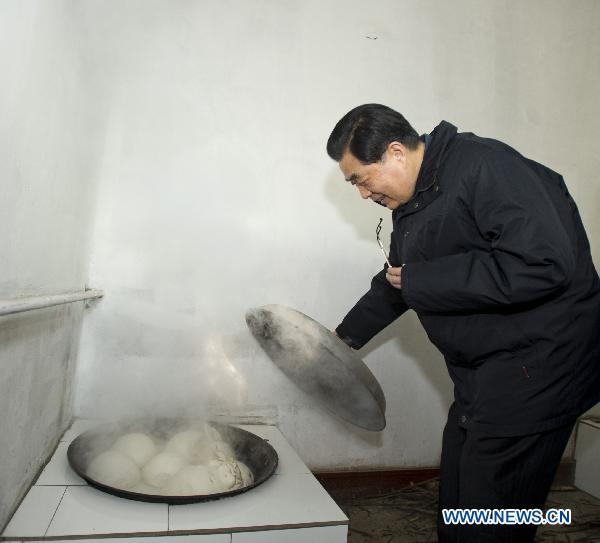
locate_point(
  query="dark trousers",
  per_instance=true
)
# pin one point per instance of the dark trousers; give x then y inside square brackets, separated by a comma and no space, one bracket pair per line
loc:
[496,473]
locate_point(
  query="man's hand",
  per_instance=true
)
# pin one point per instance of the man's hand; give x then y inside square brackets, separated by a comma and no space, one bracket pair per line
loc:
[394,276]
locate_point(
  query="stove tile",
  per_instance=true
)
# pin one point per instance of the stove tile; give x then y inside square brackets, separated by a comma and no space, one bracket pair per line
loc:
[281,500]
[195,538]
[35,512]
[87,511]
[58,471]
[322,534]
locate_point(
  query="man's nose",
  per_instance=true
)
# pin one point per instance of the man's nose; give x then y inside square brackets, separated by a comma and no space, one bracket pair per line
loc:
[364,193]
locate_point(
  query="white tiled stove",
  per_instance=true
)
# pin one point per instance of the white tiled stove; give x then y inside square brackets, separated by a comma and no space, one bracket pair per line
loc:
[290,507]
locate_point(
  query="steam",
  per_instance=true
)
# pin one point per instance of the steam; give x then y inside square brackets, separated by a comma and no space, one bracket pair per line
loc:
[139,378]
[147,371]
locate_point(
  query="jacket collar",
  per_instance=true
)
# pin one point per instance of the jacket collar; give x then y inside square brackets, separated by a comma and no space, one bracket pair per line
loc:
[427,187]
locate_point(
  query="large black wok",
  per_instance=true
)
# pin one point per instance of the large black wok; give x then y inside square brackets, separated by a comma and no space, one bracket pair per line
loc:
[250,449]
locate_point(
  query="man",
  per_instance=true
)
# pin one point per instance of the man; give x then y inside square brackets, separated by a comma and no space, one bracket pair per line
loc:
[489,250]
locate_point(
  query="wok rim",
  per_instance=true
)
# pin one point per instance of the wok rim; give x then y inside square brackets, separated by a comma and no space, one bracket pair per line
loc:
[76,463]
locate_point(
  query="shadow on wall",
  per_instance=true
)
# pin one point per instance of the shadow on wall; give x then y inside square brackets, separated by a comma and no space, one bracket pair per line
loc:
[411,339]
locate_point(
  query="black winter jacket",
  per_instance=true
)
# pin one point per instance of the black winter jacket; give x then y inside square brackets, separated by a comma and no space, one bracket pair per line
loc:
[499,272]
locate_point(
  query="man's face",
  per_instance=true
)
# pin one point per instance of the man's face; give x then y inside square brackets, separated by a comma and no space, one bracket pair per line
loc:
[389,182]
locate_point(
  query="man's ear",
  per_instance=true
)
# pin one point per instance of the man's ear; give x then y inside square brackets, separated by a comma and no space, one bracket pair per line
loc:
[397,151]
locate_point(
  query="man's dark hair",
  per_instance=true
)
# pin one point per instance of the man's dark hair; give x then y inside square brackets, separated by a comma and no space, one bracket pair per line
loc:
[367,130]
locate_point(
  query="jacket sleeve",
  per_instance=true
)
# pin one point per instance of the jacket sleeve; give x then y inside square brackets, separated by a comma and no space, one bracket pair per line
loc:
[381,305]
[529,253]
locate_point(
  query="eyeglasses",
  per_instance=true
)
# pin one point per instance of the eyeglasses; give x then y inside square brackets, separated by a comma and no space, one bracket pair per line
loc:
[377,231]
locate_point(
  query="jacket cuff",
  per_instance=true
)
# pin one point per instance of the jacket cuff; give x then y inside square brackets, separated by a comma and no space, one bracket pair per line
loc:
[343,335]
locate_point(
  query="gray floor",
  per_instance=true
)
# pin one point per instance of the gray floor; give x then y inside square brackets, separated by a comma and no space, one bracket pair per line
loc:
[409,516]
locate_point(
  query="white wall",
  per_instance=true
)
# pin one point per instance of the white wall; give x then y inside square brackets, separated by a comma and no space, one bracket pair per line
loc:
[46,154]
[216,194]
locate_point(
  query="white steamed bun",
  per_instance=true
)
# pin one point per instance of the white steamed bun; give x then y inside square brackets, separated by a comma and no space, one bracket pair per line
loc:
[191,481]
[185,443]
[113,468]
[161,467]
[247,475]
[207,451]
[139,447]
[227,473]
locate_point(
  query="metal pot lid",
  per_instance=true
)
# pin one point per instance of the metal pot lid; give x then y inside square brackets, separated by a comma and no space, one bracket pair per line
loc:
[320,364]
